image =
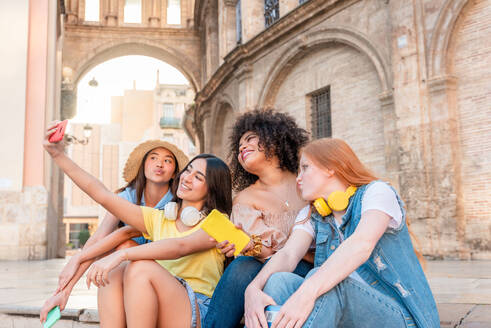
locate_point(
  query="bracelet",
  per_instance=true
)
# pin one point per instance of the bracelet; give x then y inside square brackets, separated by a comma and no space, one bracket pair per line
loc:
[256,249]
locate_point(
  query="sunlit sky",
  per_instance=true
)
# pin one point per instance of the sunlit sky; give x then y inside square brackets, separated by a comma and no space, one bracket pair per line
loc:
[113,77]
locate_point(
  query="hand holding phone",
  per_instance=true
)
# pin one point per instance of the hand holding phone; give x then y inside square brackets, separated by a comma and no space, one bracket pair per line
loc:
[57,136]
[221,228]
[53,316]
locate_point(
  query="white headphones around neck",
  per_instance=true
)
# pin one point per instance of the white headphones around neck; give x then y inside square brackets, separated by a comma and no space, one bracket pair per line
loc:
[190,216]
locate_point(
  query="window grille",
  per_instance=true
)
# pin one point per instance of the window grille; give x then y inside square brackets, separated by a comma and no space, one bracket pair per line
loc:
[321,113]
[271,12]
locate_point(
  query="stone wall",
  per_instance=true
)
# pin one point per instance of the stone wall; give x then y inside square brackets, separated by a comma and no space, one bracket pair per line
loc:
[23,222]
[409,91]
[470,51]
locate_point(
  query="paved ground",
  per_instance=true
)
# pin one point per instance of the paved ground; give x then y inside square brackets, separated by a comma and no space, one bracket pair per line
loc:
[462,291]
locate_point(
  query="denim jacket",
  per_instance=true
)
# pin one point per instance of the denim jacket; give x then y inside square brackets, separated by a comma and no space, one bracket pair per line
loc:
[392,268]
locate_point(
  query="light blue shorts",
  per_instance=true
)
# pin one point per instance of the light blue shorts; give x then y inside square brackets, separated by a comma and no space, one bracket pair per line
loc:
[202,300]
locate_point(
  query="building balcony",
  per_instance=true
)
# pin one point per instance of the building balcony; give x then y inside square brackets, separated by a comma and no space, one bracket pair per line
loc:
[170,123]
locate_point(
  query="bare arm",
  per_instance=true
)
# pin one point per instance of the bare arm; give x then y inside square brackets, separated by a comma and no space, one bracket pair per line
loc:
[73,267]
[169,249]
[108,243]
[166,249]
[73,270]
[286,259]
[119,207]
[352,253]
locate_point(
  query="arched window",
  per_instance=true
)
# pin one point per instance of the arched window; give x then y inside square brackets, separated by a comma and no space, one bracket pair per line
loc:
[92,10]
[133,11]
[174,12]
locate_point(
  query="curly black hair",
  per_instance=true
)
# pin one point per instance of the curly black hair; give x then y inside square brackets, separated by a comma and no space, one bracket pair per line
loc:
[279,135]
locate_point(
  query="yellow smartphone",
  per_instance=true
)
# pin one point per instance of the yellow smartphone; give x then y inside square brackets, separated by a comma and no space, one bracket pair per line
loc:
[218,226]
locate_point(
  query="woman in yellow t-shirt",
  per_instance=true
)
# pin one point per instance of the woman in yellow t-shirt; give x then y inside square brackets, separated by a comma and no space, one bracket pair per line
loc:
[153,297]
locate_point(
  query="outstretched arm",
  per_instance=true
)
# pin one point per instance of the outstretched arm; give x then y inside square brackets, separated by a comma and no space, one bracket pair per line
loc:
[165,249]
[119,207]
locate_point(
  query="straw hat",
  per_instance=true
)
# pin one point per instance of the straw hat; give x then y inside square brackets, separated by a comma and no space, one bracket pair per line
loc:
[135,159]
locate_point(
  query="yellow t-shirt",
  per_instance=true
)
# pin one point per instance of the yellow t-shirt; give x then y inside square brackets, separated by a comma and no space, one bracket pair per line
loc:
[201,270]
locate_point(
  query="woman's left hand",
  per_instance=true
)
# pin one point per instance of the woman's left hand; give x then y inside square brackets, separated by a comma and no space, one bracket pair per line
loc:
[99,271]
[295,311]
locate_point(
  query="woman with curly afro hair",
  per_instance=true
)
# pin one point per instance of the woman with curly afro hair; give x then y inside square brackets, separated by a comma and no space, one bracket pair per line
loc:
[263,151]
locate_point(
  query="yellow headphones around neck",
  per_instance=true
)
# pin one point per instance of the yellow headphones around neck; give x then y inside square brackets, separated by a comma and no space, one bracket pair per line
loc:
[337,201]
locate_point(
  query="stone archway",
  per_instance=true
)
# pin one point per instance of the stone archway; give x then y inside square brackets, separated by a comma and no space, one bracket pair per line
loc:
[319,39]
[293,78]
[442,32]
[109,51]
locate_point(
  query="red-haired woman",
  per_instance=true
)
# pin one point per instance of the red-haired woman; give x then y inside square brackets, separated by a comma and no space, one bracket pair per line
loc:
[366,271]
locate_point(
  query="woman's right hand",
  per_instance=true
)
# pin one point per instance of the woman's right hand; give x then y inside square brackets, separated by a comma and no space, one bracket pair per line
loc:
[59,299]
[228,249]
[255,303]
[54,149]
[68,272]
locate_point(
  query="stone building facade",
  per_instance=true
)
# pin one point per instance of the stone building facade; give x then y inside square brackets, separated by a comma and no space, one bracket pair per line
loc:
[408,85]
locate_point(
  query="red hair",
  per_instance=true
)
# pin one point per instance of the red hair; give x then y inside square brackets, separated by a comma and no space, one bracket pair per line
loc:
[337,155]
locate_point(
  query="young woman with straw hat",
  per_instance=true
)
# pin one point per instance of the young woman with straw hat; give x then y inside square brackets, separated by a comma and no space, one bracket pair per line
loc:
[149,172]
[189,265]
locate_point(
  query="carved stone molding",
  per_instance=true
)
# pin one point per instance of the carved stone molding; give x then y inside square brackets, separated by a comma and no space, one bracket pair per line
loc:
[442,84]
[231,3]
[386,99]
[441,36]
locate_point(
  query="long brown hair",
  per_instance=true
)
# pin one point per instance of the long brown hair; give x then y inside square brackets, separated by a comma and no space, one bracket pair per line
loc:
[218,181]
[337,155]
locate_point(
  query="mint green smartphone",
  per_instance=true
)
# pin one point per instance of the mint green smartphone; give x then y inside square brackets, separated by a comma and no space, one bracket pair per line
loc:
[53,315]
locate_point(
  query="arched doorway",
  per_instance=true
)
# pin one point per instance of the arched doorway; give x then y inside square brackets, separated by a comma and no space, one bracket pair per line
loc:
[126,100]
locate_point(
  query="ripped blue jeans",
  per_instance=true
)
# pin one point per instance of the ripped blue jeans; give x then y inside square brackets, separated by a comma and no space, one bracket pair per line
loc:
[350,304]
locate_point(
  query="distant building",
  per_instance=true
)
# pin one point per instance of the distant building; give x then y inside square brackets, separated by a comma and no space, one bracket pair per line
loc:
[136,116]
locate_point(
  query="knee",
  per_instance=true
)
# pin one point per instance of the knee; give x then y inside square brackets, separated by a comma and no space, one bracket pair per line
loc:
[277,281]
[127,244]
[242,270]
[137,270]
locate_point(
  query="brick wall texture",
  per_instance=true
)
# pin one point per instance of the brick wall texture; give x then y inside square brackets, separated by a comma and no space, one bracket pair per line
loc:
[424,125]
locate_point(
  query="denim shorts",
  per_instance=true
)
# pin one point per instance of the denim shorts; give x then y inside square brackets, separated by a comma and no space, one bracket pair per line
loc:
[202,300]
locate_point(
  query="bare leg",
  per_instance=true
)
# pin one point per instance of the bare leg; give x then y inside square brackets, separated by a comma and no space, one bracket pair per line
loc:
[110,298]
[154,298]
